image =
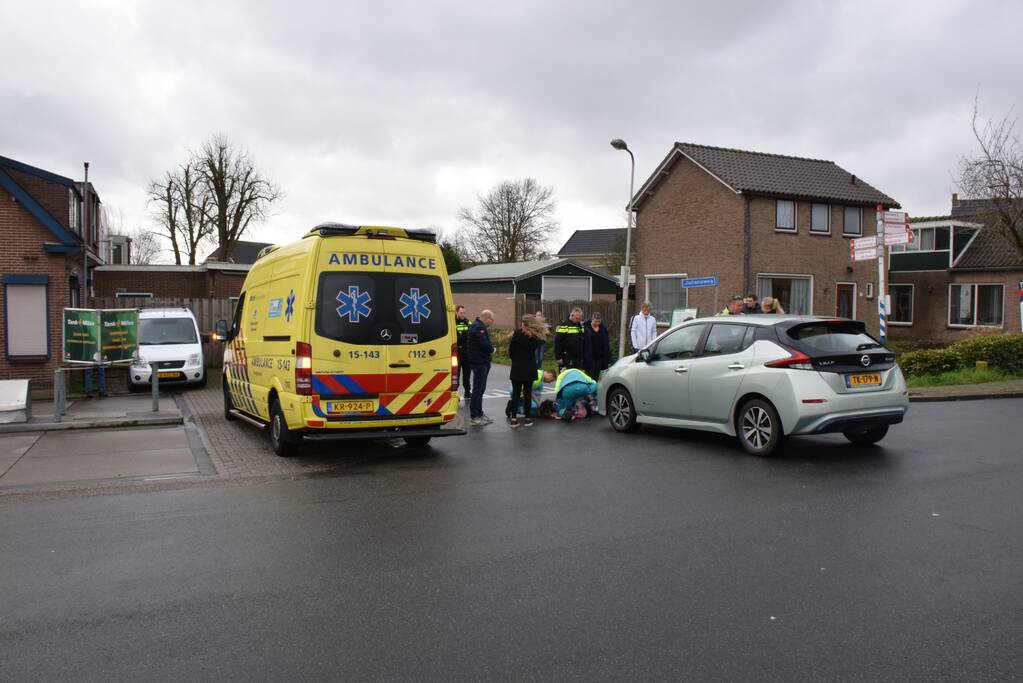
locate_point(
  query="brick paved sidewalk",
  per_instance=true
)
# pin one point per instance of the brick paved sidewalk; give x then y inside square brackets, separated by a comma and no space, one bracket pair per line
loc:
[240,450]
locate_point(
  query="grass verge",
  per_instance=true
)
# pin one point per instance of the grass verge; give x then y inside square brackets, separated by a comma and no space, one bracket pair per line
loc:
[964,376]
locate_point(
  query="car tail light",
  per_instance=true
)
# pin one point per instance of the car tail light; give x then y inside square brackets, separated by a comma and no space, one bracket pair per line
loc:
[454,367]
[797,360]
[303,369]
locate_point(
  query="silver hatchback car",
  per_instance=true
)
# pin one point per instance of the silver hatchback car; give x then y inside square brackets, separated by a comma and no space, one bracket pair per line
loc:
[760,378]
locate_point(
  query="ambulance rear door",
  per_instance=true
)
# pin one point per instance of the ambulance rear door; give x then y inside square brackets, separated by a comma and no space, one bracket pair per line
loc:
[350,323]
[420,339]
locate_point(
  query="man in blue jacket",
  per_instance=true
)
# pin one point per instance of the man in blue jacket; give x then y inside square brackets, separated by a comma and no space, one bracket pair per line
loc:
[480,350]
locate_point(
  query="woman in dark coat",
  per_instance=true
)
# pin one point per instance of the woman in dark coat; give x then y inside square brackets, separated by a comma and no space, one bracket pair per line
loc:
[596,346]
[522,351]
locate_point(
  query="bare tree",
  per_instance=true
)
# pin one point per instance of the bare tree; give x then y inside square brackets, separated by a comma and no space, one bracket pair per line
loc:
[163,198]
[145,246]
[514,221]
[238,194]
[995,174]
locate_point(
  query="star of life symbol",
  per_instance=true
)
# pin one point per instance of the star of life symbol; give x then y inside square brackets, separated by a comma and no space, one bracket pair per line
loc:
[415,306]
[290,309]
[354,304]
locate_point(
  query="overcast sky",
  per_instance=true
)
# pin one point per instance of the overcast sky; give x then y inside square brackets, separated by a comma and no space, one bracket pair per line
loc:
[401,112]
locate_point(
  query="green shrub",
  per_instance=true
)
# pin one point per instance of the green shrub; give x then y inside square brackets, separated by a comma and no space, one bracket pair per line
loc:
[1001,351]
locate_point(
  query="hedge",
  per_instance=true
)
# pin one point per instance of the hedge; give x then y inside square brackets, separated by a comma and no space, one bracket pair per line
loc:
[1002,351]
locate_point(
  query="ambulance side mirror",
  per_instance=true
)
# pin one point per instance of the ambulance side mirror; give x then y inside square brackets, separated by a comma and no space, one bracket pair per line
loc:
[220,331]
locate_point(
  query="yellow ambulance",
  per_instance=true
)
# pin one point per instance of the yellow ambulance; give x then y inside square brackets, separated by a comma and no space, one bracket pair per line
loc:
[347,333]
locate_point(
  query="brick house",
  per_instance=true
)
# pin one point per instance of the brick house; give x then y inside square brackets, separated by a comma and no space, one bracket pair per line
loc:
[210,280]
[957,278]
[41,219]
[596,248]
[766,223]
[497,286]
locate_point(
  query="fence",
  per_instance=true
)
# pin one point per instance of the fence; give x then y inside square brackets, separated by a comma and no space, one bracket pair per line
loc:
[206,311]
[556,311]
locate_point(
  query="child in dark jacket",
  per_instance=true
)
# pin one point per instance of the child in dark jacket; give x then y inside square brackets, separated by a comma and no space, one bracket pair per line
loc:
[522,351]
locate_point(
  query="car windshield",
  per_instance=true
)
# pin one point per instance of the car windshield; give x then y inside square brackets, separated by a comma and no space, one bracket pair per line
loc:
[380,308]
[159,331]
[833,337]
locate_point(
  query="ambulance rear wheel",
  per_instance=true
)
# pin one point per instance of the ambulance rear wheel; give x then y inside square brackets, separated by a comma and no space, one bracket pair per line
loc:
[417,441]
[281,439]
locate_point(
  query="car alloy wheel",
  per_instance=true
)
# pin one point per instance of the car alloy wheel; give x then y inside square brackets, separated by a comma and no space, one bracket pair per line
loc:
[759,429]
[620,412]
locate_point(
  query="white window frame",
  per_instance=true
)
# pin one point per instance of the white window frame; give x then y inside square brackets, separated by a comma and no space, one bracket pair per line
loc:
[795,216]
[588,278]
[665,276]
[859,227]
[976,293]
[912,304]
[794,276]
[855,294]
[820,232]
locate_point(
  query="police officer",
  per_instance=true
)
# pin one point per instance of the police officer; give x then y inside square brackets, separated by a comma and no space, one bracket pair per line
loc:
[462,325]
[568,341]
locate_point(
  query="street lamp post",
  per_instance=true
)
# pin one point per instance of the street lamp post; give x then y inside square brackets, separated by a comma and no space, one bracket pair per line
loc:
[619,144]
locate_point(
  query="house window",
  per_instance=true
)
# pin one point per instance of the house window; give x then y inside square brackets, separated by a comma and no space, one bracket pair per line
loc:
[25,316]
[785,215]
[851,224]
[565,288]
[820,221]
[975,305]
[926,239]
[794,292]
[665,294]
[902,304]
[73,210]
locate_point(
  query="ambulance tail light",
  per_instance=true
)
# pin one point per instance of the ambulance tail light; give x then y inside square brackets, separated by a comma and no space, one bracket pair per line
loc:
[303,369]
[454,367]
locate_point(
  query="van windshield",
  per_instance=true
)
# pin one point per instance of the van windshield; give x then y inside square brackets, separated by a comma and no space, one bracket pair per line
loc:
[380,308]
[157,331]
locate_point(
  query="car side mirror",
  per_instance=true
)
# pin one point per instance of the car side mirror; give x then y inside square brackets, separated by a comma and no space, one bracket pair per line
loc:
[644,355]
[220,331]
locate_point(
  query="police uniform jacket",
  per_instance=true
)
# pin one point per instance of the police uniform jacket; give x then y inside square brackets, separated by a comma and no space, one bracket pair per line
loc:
[569,342]
[462,326]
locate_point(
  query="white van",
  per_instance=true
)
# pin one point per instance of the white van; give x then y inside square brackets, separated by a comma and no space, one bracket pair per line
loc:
[170,338]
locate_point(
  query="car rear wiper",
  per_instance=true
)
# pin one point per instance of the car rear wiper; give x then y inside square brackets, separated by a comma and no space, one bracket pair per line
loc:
[869,345]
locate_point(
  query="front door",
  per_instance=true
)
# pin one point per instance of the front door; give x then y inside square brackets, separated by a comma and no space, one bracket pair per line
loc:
[845,294]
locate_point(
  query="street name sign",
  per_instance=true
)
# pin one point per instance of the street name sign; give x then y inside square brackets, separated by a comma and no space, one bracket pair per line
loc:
[701,281]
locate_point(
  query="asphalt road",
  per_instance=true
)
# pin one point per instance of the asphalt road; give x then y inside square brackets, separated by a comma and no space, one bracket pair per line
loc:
[561,551]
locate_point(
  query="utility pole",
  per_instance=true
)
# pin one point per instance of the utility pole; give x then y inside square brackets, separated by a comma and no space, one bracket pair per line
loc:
[84,303]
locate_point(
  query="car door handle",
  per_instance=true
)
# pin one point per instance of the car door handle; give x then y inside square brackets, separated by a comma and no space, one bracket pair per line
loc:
[736,366]
[680,369]
[400,364]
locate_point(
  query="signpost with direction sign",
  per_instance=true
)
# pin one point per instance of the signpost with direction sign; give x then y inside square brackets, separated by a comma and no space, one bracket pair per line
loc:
[892,228]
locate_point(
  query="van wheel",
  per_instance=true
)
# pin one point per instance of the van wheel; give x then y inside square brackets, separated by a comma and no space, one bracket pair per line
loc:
[228,405]
[417,441]
[866,437]
[621,411]
[281,439]
[758,427]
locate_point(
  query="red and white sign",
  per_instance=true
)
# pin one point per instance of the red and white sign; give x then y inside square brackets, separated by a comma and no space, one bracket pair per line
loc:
[899,235]
[895,217]
[868,242]
[864,254]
